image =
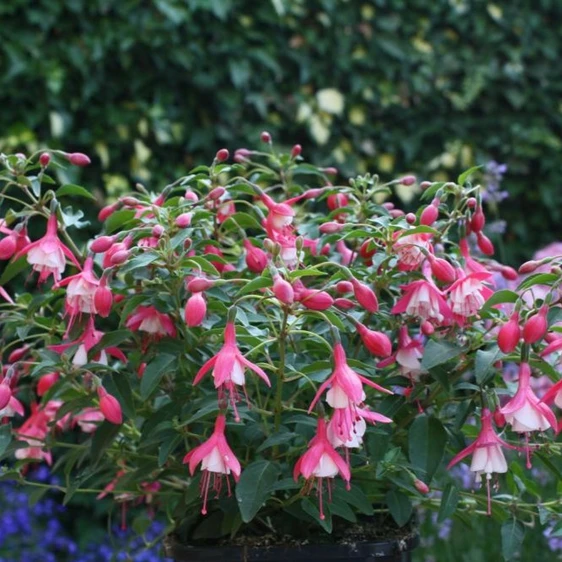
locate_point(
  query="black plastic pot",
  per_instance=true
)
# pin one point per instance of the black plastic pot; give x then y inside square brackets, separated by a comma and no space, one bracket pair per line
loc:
[395,550]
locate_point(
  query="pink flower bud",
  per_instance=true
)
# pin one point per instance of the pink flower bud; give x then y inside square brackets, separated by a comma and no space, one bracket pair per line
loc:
[191,196]
[5,394]
[119,257]
[528,267]
[485,244]
[103,299]
[443,270]
[408,180]
[395,213]
[18,354]
[410,218]
[110,407]
[336,201]
[509,273]
[376,343]
[478,220]
[283,290]
[315,300]
[195,310]
[44,159]
[343,303]
[499,418]
[8,246]
[157,230]
[330,227]
[198,284]
[107,211]
[46,381]
[365,296]
[140,370]
[241,154]
[421,486]
[183,220]
[430,213]
[256,258]
[217,193]
[330,170]
[424,185]
[509,334]
[102,244]
[389,205]
[471,202]
[265,137]
[130,201]
[344,287]
[222,155]
[536,326]
[296,151]
[427,328]
[78,159]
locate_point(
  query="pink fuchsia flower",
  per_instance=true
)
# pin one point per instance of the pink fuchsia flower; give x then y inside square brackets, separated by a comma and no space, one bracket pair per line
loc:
[408,356]
[110,407]
[228,367]
[346,255]
[195,309]
[13,407]
[89,338]
[5,393]
[256,258]
[509,334]
[216,458]
[536,326]
[47,255]
[471,265]
[148,319]
[365,296]
[423,300]
[468,294]
[411,249]
[117,248]
[487,453]
[321,461]
[33,432]
[46,382]
[89,419]
[346,394]
[377,343]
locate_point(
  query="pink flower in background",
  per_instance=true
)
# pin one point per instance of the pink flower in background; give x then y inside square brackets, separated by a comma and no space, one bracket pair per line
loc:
[47,255]
[423,300]
[148,319]
[33,432]
[88,419]
[410,248]
[216,459]
[468,294]
[228,369]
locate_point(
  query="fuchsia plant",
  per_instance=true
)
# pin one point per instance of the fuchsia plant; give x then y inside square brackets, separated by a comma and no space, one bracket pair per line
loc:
[376,338]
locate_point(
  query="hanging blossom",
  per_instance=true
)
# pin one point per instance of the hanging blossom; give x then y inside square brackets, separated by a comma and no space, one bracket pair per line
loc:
[408,355]
[321,461]
[33,432]
[410,250]
[423,300]
[468,294]
[346,396]
[216,459]
[229,369]
[148,319]
[47,255]
[90,337]
[487,454]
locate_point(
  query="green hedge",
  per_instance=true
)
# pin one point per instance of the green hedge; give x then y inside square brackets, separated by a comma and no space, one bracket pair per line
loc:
[389,86]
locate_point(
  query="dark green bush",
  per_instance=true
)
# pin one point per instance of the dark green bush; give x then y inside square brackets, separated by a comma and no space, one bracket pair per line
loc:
[432,86]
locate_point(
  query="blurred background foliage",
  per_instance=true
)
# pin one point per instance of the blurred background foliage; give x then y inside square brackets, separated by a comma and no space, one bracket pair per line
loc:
[148,89]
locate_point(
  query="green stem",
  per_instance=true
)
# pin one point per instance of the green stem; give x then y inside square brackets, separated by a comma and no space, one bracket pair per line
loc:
[278,405]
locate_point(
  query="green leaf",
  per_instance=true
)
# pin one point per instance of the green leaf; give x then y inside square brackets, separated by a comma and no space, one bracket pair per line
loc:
[449,501]
[427,439]
[5,437]
[484,368]
[313,510]
[102,439]
[123,387]
[438,352]
[142,260]
[205,265]
[277,439]
[538,279]
[13,269]
[154,372]
[355,497]
[254,285]
[112,339]
[464,176]
[254,488]
[72,189]
[499,297]
[512,533]
[118,219]
[432,190]
[400,507]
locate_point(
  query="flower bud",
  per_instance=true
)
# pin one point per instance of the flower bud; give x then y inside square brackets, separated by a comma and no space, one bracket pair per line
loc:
[110,407]
[157,230]
[430,213]
[5,394]
[499,418]
[183,220]
[471,202]
[330,227]
[442,270]
[195,310]
[343,303]
[427,328]
[265,137]
[528,267]
[141,370]
[18,354]
[119,257]
[376,343]
[367,249]
[485,244]
[103,299]
[44,159]
[330,170]
[408,180]
[389,205]
[217,193]
[191,196]
[8,246]
[198,284]
[509,273]
[313,193]
[241,154]
[222,155]
[256,258]
[365,296]
[102,244]
[410,218]
[336,201]
[296,151]
[283,290]
[107,211]
[344,287]
[421,486]
[78,159]
[46,381]
[536,326]
[395,213]
[478,220]
[315,300]
[509,334]
[424,185]
[130,201]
